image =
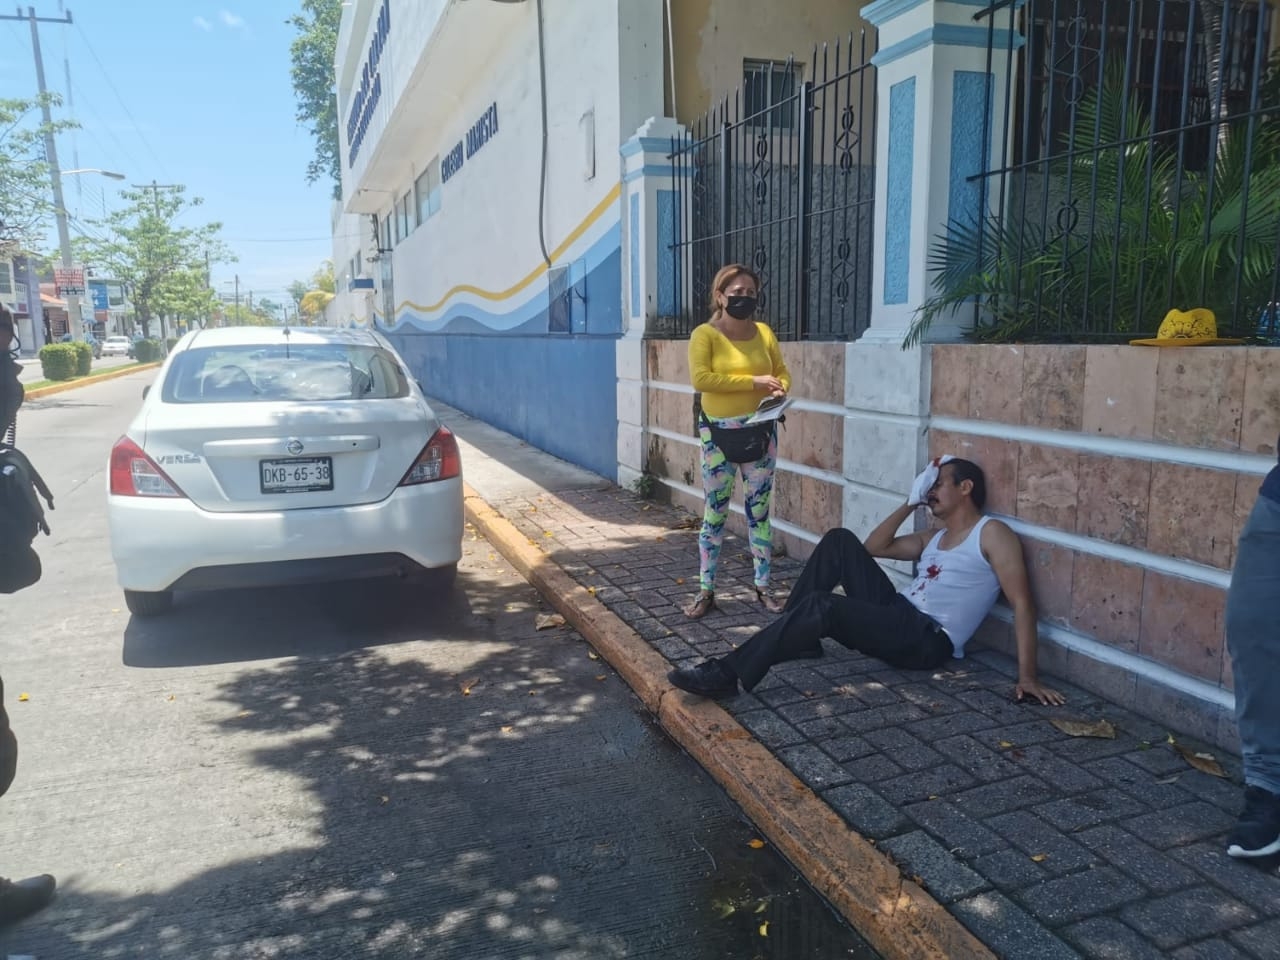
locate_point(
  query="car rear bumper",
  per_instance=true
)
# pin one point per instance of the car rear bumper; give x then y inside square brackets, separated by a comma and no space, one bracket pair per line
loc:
[163,544]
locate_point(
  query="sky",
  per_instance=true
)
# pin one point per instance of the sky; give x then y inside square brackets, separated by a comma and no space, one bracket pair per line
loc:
[189,92]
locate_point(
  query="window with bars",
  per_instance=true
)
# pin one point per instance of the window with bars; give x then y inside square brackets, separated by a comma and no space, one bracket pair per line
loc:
[6,277]
[769,93]
[1169,51]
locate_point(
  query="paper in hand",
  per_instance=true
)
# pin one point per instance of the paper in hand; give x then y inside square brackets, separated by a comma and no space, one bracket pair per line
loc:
[770,409]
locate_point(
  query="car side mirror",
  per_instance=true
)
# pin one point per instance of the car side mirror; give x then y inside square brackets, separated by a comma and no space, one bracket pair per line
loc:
[145,391]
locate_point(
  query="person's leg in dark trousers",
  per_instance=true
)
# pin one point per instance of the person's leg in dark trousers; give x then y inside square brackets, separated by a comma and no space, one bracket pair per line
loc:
[25,897]
[8,747]
[872,617]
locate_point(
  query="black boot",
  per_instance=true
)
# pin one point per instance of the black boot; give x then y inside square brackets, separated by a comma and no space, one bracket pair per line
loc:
[21,898]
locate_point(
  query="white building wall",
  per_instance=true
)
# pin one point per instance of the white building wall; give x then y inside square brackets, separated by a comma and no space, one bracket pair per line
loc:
[469,303]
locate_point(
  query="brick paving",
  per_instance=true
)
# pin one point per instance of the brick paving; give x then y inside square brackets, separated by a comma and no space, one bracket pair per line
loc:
[1042,844]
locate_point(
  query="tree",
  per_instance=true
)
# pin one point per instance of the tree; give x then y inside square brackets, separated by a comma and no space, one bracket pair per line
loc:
[313,304]
[141,245]
[297,290]
[26,200]
[234,315]
[323,279]
[185,296]
[312,53]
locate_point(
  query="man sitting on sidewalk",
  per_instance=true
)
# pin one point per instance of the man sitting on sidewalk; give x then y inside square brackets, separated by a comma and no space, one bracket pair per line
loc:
[962,568]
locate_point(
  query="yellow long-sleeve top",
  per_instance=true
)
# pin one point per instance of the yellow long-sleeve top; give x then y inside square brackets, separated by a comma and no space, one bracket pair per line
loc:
[722,369]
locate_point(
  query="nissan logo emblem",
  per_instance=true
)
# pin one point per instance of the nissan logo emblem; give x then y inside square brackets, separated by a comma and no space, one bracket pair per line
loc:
[295,447]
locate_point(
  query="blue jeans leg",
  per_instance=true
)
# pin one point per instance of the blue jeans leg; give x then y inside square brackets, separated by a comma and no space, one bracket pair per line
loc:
[1253,638]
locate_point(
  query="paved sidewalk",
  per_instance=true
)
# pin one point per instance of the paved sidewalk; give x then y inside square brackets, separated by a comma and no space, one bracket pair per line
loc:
[1042,844]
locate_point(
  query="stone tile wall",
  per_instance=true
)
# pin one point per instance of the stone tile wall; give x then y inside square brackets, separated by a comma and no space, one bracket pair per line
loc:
[1129,471]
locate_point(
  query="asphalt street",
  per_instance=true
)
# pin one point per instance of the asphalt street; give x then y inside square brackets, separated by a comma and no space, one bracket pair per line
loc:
[359,770]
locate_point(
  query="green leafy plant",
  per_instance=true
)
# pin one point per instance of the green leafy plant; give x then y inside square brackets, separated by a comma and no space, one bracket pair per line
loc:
[59,361]
[644,485]
[1152,235]
[147,351]
[84,358]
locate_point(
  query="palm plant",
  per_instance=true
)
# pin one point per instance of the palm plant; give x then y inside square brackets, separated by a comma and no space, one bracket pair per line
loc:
[1155,235]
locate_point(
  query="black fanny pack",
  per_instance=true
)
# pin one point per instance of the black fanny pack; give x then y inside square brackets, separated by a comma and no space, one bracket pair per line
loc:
[743,445]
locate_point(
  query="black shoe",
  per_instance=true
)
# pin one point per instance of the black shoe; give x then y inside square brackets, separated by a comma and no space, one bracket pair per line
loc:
[21,898]
[711,678]
[1257,832]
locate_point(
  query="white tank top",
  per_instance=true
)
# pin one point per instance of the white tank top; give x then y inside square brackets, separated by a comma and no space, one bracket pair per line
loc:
[956,587]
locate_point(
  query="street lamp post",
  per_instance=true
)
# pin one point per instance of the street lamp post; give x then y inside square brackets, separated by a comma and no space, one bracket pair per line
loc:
[75,323]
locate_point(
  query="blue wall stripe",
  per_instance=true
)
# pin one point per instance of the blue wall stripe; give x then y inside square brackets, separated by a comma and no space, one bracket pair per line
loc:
[636,145]
[634,252]
[882,11]
[949,35]
[558,393]
[657,170]
[586,270]
[897,233]
[667,267]
[970,116]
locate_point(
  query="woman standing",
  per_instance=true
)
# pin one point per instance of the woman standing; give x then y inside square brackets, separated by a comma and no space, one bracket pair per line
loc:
[735,363]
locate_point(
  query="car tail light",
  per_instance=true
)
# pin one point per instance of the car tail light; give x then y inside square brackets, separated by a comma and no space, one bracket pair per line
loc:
[134,474]
[439,460]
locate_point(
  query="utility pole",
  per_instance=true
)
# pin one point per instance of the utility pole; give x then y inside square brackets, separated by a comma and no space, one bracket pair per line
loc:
[51,155]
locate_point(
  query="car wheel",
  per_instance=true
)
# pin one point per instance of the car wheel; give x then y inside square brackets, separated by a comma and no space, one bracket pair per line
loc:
[148,604]
[440,578]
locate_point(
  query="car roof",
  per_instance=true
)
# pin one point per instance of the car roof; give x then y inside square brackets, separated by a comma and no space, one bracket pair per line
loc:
[297,336]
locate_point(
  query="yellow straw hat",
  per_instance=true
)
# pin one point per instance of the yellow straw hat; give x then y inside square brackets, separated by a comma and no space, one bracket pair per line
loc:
[1187,328]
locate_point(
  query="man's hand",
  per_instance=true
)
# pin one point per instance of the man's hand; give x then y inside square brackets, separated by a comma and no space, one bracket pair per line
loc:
[925,481]
[1032,688]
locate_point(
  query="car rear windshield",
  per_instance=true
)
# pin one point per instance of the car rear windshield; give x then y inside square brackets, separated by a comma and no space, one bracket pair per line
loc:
[292,373]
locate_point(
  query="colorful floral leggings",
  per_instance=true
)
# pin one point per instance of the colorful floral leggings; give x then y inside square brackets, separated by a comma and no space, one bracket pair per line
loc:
[718,476]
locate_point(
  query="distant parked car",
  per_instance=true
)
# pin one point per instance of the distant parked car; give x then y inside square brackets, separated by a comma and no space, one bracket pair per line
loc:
[116,347]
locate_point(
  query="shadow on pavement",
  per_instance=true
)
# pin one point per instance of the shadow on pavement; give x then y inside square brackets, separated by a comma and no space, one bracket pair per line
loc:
[506,798]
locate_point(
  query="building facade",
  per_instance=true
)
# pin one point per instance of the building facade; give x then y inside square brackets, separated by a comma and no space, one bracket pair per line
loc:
[481,228]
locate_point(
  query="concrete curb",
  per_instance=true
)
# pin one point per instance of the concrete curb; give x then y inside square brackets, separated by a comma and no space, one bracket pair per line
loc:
[87,381]
[892,912]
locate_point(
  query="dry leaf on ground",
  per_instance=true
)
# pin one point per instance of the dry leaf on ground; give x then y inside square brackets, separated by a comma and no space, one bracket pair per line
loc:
[1204,762]
[1102,729]
[602,677]
[545,621]
[466,685]
[1039,857]
[755,844]
[507,729]
[592,655]
[24,697]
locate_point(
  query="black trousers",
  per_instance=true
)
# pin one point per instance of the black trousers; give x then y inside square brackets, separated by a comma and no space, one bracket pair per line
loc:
[872,617]
[8,747]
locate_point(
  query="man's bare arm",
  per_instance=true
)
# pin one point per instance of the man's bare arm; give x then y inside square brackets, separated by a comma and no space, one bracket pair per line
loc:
[884,542]
[1004,552]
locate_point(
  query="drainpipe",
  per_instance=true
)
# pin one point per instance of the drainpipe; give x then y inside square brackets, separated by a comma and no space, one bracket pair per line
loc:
[542,176]
[671,59]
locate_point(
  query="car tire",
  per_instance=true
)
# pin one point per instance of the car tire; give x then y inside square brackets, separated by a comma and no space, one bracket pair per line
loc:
[142,604]
[440,578]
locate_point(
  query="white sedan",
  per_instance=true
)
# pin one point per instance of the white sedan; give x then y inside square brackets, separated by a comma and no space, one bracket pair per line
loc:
[267,456]
[115,347]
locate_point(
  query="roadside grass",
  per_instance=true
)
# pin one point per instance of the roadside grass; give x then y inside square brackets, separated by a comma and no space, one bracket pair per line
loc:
[37,384]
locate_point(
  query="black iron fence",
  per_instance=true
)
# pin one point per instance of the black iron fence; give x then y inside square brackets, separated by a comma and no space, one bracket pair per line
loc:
[780,177]
[1137,170]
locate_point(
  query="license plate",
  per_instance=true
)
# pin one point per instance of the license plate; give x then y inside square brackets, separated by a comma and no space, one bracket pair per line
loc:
[296,475]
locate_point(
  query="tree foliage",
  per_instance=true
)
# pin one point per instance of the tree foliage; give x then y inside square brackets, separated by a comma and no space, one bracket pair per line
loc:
[26,198]
[312,54]
[142,245]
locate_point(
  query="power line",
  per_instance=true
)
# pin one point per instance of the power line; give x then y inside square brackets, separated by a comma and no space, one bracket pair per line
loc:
[137,129]
[93,111]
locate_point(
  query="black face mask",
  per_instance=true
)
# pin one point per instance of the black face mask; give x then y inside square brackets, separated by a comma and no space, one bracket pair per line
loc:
[740,308]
